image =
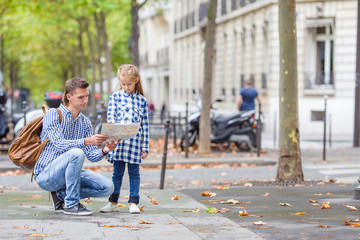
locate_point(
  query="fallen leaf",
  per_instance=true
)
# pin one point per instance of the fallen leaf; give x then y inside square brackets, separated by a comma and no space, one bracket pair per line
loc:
[221,187]
[312,201]
[20,227]
[248,184]
[263,227]
[109,226]
[318,194]
[351,208]
[211,210]
[153,201]
[284,204]
[325,205]
[298,213]
[122,205]
[142,208]
[208,194]
[143,222]
[41,235]
[324,226]
[224,210]
[193,210]
[351,224]
[175,197]
[243,213]
[328,194]
[265,195]
[34,196]
[259,223]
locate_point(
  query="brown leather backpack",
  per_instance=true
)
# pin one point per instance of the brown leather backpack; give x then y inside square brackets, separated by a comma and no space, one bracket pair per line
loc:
[26,148]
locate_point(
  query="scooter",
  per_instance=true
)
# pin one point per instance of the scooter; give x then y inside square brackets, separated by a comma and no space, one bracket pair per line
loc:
[239,128]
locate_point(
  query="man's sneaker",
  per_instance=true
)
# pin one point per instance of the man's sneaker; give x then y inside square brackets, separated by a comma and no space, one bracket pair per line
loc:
[79,210]
[58,204]
[133,208]
[109,207]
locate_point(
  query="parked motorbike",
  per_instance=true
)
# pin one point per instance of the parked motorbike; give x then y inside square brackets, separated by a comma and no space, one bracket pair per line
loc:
[239,128]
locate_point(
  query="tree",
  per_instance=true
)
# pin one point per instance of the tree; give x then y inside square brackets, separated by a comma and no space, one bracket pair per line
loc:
[289,168]
[209,55]
[135,7]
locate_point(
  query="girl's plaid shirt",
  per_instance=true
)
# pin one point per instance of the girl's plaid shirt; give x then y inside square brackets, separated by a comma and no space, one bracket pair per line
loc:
[129,108]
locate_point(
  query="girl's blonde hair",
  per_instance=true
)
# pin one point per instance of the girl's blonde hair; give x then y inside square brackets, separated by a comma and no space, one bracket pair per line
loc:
[131,71]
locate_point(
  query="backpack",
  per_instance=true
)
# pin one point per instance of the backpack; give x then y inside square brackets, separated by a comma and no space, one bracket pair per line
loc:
[26,148]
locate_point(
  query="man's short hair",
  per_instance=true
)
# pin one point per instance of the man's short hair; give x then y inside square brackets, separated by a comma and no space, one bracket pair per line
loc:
[71,85]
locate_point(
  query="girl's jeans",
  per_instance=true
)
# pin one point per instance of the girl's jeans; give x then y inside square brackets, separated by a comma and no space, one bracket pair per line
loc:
[134,179]
[72,183]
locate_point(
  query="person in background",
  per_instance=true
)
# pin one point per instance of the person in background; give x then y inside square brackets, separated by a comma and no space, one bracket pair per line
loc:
[128,105]
[246,99]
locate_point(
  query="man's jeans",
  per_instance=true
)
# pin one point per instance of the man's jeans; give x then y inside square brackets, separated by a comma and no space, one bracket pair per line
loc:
[72,183]
[134,179]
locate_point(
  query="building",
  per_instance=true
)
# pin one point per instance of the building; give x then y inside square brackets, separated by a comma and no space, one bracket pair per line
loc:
[247,47]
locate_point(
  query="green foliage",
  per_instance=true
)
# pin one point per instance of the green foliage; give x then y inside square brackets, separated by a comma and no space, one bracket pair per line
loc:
[42,38]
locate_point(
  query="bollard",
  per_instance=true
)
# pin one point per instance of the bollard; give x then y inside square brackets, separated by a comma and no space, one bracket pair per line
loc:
[174,129]
[24,105]
[186,132]
[324,147]
[163,165]
[356,195]
[258,132]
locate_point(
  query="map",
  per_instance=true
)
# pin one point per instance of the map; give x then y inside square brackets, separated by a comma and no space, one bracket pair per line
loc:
[117,131]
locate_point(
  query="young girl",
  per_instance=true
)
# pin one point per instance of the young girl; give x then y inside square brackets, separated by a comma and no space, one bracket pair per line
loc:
[128,105]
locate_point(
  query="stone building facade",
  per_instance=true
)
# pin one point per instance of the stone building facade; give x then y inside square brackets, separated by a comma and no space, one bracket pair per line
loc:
[247,47]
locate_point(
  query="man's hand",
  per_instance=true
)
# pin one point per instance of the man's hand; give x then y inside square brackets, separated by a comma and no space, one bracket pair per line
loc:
[110,146]
[96,139]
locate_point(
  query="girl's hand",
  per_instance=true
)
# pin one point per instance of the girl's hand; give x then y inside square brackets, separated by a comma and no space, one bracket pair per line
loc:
[110,146]
[144,155]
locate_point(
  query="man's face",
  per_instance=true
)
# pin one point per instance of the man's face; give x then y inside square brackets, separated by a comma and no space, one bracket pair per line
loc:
[79,98]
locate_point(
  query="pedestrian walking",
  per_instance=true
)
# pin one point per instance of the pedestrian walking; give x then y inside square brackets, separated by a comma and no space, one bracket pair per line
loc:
[59,168]
[128,105]
[246,98]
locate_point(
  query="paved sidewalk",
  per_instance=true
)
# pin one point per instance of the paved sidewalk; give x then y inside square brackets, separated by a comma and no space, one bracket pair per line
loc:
[29,215]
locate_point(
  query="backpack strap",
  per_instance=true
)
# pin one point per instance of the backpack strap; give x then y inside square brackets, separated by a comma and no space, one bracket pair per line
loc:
[44,108]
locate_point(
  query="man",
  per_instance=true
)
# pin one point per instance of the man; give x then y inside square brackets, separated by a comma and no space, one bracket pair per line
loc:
[59,168]
[246,99]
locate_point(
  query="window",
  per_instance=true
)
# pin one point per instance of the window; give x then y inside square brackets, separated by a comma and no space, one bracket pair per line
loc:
[319,68]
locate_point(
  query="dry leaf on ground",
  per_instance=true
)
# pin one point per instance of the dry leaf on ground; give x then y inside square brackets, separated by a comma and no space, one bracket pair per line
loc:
[143,222]
[298,213]
[221,187]
[153,201]
[312,201]
[325,205]
[259,223]
[193,210]
[208,194]
[243,213]
[351,208]
[265,195]
[324,226]
[175,197]
[284,204]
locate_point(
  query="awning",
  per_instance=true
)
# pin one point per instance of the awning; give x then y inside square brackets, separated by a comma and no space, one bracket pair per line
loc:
[320,22]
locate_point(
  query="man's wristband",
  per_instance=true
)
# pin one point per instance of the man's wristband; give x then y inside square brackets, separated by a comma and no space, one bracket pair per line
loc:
[103,153]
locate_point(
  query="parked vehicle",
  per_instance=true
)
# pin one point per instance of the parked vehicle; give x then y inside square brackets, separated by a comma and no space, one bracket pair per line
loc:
[238,128]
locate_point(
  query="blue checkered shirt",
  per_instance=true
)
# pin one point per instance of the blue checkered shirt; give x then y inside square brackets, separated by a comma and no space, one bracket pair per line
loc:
[65,136]
[129,108]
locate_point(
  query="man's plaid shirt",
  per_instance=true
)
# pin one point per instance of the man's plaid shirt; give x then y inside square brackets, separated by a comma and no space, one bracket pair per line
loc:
[65,136]
[129,108]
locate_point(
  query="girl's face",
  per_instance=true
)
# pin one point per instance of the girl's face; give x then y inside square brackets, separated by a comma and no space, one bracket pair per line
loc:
[128,84]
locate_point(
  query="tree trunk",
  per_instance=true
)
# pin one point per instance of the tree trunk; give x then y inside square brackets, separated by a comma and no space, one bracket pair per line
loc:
[289,168]
[209,55]
[107,53]
[98,46]
[2,53]
[81,49]
[135,7]
[93,75]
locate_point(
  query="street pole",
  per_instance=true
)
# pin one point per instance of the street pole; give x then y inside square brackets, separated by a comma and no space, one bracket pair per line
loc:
[324,149]
[357,83]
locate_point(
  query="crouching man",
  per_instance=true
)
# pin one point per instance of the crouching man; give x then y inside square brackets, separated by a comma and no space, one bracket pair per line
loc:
[59,169]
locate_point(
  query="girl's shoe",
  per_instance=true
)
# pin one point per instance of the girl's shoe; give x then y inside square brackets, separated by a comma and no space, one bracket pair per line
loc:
[109,207]
[133,208]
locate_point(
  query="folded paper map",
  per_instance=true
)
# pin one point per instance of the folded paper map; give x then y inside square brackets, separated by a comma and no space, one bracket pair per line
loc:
[117,131]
